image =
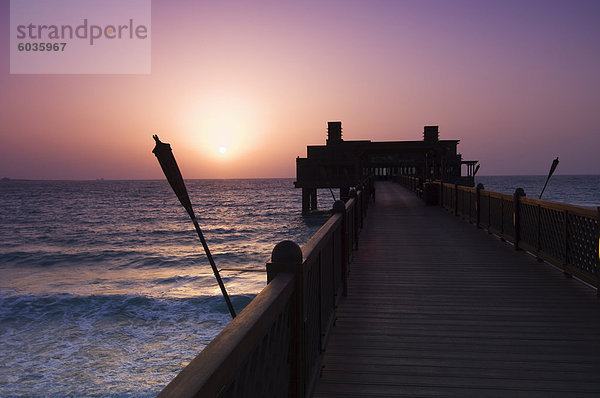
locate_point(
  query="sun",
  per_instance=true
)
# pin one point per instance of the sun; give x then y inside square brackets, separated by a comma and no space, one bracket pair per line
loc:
[223,126]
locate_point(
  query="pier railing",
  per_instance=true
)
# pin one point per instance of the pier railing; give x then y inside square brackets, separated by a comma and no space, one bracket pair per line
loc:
[566,236]
[274,347]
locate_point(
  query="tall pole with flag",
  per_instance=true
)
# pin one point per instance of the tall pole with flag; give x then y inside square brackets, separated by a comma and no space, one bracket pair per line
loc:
[167,162]
[552,168]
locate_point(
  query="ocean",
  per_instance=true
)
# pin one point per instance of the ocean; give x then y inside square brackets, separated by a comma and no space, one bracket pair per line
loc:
[579,190]
[105,289]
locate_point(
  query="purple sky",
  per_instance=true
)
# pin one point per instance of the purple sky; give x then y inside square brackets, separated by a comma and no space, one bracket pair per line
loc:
[518,82]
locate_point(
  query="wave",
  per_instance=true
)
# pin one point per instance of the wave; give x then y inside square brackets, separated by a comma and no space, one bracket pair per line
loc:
[104,345]
[67,305]
[227,250]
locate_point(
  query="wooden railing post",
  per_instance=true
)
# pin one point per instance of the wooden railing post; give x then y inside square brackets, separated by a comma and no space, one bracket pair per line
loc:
[489,199]
[501,218]
[340,207]
[566,244]
[372,188]
[598,247]
[287,257]
[364,201]
[354,195]
[359,204]
[470,207]
[478,204]
[519,192]
[538,245]
[456,199]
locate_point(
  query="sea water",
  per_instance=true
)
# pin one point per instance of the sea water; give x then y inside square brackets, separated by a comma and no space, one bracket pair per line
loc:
[105,289]
[579,190]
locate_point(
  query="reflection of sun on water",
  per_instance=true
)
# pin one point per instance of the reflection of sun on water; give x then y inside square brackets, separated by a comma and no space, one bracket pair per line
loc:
[221,125]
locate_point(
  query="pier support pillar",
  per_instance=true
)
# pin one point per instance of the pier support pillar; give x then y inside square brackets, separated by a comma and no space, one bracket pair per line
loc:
[309,199]
[345,193]
[305,201]
[313,199]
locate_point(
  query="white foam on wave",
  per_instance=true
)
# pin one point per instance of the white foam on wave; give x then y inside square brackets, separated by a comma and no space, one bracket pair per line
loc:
[102,345]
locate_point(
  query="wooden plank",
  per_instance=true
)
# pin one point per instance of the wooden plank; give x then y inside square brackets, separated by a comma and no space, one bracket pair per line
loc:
[440,308]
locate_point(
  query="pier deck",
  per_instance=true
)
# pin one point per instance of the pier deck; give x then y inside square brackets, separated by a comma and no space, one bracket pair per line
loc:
[437,307]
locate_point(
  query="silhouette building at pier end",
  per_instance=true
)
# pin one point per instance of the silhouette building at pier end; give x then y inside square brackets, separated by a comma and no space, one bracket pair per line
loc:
[344,164]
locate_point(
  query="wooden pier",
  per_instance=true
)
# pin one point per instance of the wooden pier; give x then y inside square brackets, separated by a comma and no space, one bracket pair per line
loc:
[436,307]
[415,300]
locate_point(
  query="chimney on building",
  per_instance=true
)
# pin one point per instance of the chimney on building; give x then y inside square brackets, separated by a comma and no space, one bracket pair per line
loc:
[431,134]
[334,132]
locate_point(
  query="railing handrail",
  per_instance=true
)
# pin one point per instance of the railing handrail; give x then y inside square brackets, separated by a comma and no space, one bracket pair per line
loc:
[492,194]
[573,209]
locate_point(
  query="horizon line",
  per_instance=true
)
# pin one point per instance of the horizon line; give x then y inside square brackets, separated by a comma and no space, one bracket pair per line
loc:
[4,179]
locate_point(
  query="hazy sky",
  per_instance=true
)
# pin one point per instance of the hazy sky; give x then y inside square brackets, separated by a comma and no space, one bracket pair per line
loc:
[518,82]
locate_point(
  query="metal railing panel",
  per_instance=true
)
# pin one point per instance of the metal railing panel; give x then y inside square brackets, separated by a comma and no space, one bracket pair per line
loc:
[582,244]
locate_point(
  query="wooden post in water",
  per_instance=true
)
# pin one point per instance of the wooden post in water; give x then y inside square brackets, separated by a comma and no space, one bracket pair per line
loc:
[309,200]
[344,193]
[519,192]
[313,199]
[287,257]
[305,201]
